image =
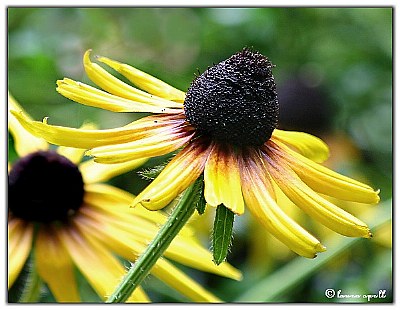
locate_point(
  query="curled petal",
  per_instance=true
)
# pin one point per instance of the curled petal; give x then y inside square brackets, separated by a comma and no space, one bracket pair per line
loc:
[182,171]
[145,81]
[93,97]
[324,180]
[308,145]
[90,138]
[313,204]
[255,185]
[222,180]
[116,87]
[160,144]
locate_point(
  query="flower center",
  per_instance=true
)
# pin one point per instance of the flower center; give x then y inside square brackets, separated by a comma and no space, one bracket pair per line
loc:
[44,187]
[235,101]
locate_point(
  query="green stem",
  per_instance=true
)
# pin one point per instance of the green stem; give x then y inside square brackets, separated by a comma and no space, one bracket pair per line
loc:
[178,218]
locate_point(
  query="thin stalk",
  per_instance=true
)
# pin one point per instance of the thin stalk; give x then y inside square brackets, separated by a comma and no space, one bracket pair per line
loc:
[178,218]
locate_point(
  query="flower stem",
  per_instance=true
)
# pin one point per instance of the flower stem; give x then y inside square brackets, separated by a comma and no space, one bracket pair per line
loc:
[178,218]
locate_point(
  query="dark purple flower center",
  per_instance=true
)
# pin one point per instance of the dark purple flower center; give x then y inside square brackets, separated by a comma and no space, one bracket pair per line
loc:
[44,187]
[235,101]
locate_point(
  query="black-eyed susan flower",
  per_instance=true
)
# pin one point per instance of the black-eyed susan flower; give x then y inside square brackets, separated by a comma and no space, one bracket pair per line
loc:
[61,212]
[226,126]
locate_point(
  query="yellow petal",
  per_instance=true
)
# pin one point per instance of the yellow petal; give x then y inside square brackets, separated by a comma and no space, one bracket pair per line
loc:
[160,144]
[89,138]
[74,154]
[138,296]
[95,172]
[55,267]
[184,249]
[179,174]
[188,252]
[310,202]
[93,97]
[145,81]
[116,201]
[222,180]
[24,142]
[20,236]
[122,240]
[94,225]
[255,185]
[95,262]
[116,87]
[308,145]
[175,278]
[324,180]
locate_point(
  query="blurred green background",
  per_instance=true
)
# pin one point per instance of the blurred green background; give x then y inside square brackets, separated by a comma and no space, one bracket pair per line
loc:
[334,78]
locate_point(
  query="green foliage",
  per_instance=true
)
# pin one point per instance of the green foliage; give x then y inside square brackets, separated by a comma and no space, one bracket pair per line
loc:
[26,287]
[222,233]
[201,201]
[152,172]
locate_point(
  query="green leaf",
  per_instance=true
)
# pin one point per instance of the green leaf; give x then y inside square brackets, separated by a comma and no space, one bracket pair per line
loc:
[27,286]
[280,282]
[222,234]
[151,173]
[199,192]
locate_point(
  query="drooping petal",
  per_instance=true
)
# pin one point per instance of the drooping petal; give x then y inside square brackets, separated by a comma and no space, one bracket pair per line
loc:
[124,243]
[88,138]
[116,202]
[324,180]
[95,262]
[160,143]
[114,86]
[175,278]
[145,81]
[93,172]
[184,248]
[222,180]
[55,266]
[190,253]
[255,185]
[138,296]
[313,204]
[93,97]
[308,145]
[24,142]
[180,173]
[20,234]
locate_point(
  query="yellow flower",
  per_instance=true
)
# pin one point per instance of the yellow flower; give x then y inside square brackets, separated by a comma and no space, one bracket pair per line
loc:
[226,127]
[61,213]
